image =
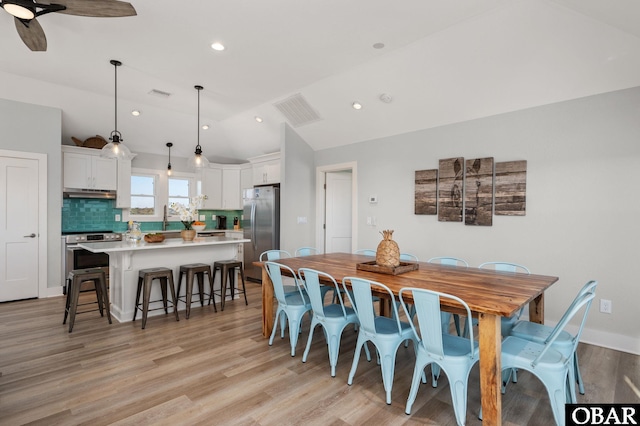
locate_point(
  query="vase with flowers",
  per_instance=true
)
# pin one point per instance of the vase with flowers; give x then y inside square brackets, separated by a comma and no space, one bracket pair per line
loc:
[188,215]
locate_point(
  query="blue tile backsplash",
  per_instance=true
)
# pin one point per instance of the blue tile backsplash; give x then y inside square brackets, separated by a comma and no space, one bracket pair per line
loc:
[80,214]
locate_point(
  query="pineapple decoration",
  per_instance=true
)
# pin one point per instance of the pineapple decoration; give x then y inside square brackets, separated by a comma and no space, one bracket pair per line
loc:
[388,253]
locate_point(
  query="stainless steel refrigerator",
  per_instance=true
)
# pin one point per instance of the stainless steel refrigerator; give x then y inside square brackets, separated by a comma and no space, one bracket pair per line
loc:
[262,226]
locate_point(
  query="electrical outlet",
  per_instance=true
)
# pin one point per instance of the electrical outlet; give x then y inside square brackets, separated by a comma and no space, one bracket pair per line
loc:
[213,217]
[368,220]
[606,306]
[117,218]
[202,218]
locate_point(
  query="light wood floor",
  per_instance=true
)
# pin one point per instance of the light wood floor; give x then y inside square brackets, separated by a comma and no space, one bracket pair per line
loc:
[217,369]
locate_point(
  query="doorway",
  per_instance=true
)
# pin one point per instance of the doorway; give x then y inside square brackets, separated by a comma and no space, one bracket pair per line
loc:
[23,240]
[337,207]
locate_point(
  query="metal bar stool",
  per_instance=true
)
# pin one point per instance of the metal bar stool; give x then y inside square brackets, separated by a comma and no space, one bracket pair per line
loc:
[145,278]
[75,280]
[227,268]
[198,270]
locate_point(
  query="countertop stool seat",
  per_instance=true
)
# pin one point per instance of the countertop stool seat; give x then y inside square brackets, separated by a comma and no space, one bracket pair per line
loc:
[75,280]
[198,270]
[145,279]
[227,269]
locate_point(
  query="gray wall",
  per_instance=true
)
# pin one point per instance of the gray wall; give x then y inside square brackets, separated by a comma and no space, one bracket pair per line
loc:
[582,206]
[33,128]
[297,196]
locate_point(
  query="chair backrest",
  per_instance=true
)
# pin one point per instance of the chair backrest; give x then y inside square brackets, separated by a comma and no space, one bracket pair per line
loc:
[275,273]
[306,251]
[362,301]
[311,279]
[365,252]
[588,288]
[274,255]
[583,301]
[427,308]
[409,257]
[454,261]
[504,266]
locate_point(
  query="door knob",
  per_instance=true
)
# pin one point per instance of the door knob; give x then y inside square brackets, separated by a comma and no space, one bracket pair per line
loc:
[32,235]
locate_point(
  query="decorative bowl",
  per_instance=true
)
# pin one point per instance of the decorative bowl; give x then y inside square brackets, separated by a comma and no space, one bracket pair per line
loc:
[198,227]
[154,238]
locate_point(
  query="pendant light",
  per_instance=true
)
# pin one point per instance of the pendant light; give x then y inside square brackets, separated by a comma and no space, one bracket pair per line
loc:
[115,148]
[198,161]
[169,172]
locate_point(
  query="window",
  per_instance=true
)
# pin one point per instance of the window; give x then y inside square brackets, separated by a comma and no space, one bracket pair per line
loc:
[178,192]
[143,195]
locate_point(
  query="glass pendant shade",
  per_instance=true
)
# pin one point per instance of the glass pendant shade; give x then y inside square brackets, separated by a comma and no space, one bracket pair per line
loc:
[115,148]
[198,161]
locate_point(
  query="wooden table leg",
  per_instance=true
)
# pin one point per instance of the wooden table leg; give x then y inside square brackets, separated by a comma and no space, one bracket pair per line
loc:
[536,309]
[267,304]
[490,341]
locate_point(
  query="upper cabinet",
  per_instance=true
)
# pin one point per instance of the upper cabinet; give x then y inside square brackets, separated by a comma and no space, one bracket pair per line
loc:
[83,168]
[231,192]
[212,187]
[266,169]
[223,184]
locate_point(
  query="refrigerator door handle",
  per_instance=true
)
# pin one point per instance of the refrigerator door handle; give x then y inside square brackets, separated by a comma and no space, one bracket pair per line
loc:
[253,225]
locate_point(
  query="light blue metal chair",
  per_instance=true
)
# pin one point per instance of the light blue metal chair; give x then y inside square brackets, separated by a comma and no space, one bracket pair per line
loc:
[274,255]
[541,333]
[453,354]
[446,316]
[306,251]
[366,252]
[386,334]
[333,318]
[551,366]
[292,305]
[408,257]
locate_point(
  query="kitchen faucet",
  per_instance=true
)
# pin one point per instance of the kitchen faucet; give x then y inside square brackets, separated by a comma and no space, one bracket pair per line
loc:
[165,222]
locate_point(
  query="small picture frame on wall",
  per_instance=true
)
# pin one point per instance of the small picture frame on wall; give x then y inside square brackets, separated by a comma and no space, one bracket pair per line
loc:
[511,188]
[450,189]
[426,195]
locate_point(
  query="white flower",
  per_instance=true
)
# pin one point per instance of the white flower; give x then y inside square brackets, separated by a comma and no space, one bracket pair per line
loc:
[188,214]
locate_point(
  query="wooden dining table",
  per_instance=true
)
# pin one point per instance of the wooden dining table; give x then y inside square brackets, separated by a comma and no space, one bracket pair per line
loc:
[489,294]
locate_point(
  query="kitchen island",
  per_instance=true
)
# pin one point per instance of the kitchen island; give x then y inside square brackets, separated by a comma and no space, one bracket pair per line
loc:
[127,258]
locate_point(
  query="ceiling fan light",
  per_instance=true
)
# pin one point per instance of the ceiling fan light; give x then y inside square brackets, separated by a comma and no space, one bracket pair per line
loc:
[19,11]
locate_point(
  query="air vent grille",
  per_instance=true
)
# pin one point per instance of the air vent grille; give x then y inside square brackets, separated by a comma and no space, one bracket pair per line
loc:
[159,93]
[297,110]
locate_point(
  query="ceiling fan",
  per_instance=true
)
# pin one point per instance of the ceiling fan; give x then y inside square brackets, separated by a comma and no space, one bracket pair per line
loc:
[25,13]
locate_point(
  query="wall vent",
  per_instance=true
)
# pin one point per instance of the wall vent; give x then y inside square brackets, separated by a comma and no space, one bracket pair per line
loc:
[159,93]
[297,110]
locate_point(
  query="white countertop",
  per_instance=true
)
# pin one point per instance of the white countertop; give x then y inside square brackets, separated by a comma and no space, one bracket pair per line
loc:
[169,243]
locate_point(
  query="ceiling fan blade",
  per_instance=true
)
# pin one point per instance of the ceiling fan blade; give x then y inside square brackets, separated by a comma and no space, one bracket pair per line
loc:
[33,35]
[96,8]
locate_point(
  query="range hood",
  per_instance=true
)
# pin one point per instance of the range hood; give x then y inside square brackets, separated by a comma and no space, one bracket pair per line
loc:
[88,193]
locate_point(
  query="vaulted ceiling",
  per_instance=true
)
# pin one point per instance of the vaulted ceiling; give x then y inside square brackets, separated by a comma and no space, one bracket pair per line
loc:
[442,62]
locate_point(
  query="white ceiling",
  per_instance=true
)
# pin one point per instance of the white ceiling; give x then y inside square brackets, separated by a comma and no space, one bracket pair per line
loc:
[443,62]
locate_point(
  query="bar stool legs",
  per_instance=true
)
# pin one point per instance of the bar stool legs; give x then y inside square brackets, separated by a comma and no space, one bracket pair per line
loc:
[195,270]
[145,279]
[75,279]
[227,268]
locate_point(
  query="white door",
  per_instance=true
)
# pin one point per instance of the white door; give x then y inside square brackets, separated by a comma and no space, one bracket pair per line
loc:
[18,228]
[338,212]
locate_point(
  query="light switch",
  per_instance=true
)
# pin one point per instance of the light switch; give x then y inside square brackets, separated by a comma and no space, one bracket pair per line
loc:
[302,219]
[117,218]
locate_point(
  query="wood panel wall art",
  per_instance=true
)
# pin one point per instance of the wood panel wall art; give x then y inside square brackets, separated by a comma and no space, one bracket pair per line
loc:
[511,188]
[478,192]
[426,196]
[450,188]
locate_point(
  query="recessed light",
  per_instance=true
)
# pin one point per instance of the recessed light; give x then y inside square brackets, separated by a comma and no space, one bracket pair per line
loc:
[356,105]
[205,127]
[378,46]
[258,119]
[135,113]
[217,46]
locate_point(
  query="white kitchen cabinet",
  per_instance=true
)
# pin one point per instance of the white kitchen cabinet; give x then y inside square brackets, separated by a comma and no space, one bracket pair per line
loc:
[266,169]
[212,188]
[83,168]
[123,196]
[231,192]
[246,177]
